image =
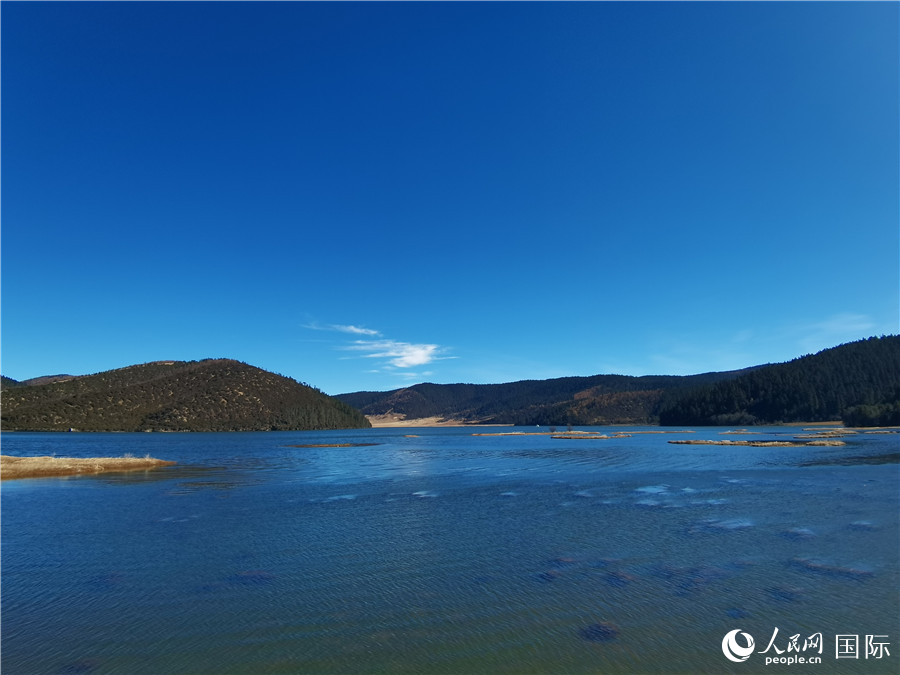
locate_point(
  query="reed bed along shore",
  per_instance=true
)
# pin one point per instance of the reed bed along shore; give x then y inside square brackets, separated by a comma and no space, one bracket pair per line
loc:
[581,433]
[598,437]
[39,467]
[764,444]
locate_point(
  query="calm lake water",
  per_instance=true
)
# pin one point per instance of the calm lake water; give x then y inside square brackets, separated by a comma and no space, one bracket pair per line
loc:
[447,552]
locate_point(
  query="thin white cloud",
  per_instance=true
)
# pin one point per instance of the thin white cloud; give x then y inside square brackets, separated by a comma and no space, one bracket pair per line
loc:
[396,357]
[691,355]
[341,328]
[836,329]
[684,355]
[411,375]
[398,354]
[846,323]
[355,330]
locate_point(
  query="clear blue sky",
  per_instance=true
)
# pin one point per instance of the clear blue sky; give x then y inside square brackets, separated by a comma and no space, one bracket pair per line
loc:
[364,196]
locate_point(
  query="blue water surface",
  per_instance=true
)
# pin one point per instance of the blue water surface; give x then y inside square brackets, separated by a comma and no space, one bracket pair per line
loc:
[436,550]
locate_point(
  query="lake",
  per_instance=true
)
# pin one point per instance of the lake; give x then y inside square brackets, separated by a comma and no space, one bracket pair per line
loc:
[439,551]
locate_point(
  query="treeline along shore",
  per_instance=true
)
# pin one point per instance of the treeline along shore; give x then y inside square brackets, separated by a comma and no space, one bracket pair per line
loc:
[857,383]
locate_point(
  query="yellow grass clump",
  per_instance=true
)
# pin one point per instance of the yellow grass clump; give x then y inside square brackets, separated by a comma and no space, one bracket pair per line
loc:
[38,467]
[764,444]
[586,437]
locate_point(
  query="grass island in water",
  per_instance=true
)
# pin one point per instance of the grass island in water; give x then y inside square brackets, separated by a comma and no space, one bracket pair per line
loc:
[39,467]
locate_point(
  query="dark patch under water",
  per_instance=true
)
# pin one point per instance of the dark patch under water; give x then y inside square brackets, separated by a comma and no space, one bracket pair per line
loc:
[600,632]
[886,458]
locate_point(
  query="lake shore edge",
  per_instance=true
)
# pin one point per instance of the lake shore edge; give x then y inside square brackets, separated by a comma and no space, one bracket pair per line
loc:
[394,421]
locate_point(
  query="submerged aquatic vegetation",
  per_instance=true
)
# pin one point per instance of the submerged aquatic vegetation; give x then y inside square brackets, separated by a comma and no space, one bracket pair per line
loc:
[600,632]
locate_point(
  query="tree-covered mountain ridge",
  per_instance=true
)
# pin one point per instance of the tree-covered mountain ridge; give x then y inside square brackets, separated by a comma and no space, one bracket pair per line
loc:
[859,381]
[591,400]
[207,395]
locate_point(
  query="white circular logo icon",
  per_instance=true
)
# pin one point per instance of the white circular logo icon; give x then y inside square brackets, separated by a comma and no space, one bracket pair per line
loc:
[733,650]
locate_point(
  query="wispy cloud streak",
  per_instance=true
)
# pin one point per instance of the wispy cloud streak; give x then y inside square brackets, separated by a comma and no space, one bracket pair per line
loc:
[342,328]
[396,357]
[355,330]
[399,354]
[836,329]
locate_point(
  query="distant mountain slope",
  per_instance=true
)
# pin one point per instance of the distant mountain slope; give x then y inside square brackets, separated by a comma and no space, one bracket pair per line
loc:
[861,379]
[46,379]
[599,399]
[209,395]
[820,387]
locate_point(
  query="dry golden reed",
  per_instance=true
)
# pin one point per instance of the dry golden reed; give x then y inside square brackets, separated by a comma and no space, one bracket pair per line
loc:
[36,467]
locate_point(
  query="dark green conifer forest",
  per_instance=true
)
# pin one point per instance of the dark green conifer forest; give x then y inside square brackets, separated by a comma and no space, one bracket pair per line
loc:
[858,382]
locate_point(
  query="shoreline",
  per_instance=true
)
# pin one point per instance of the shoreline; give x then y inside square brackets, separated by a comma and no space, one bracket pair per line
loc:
[48,467]
[766,444]
[400,421]
[395,420]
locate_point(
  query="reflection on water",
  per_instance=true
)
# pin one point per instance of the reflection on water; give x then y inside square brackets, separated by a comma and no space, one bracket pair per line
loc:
[444,553]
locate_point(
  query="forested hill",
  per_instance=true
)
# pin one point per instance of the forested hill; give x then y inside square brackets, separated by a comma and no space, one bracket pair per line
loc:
[859,382]
[209,395]
[599,399]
